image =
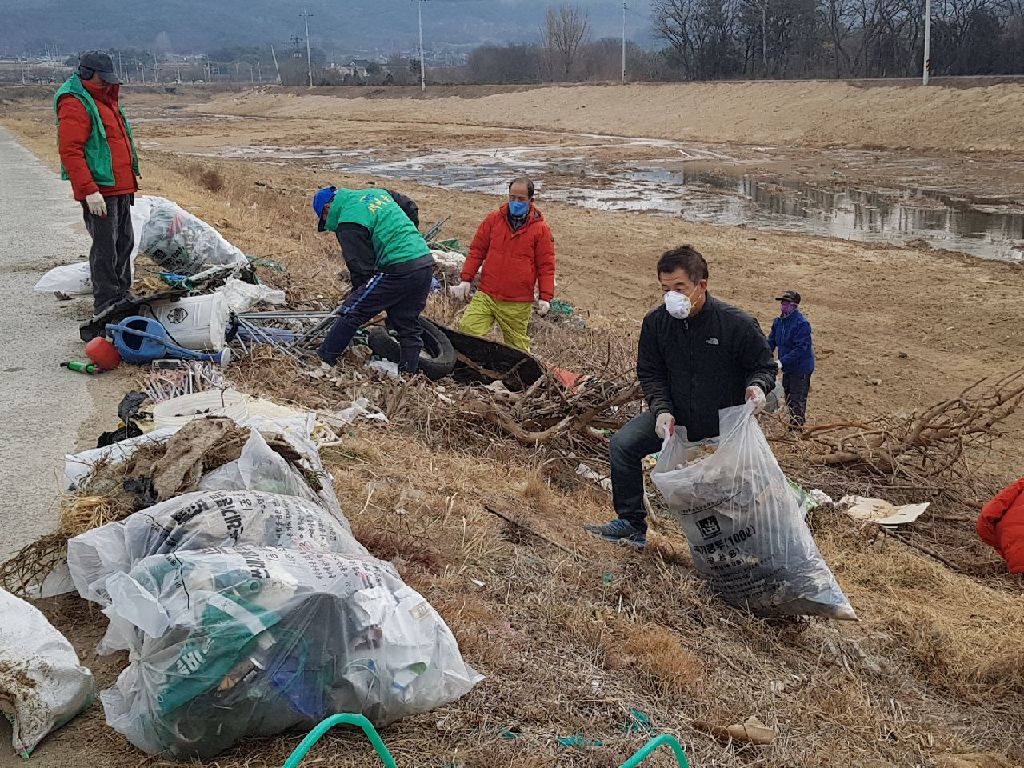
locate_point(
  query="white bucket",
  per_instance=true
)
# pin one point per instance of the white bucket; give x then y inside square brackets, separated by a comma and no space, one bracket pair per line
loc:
[194,322]
[215,402]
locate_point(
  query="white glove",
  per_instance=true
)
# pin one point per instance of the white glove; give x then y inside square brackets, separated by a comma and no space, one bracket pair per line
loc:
[665,425]
[778,364]
[542,307]
[755,395]
[97,205]
[460,291]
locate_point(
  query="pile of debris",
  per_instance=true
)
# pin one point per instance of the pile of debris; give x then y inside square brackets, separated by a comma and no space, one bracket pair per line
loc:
[220,553]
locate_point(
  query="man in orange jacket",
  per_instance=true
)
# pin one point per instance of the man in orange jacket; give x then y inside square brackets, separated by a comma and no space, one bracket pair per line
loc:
[517,252]
[1001,525]
[98,157]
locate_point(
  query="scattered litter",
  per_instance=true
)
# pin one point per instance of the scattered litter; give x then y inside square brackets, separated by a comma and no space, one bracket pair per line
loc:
[253,641]
[820,497]
[752,731]
[808,500]
[741,520]
[360,409]
[82,367]
[564,314]
[588,474]
[579,741]
[168,379]
[103,353]
[42,683]
[386,367]
[881,512]
[639,722]
[199,520]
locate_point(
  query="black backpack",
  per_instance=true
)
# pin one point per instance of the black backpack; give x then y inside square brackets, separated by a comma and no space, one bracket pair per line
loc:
[408,205]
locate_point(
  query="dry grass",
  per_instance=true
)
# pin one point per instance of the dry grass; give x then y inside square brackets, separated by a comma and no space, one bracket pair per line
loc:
[572,633]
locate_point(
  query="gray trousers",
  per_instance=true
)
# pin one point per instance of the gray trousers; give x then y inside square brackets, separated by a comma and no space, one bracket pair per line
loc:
[110,255]
[629,446]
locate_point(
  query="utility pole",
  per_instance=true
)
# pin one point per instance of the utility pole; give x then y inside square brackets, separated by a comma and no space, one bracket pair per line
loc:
[309,61]
[423,64]
[277,67]
[259,72]
[623,42]
[120,66]
[927,41]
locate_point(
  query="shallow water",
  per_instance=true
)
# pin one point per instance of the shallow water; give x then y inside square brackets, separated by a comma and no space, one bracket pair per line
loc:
[699,184]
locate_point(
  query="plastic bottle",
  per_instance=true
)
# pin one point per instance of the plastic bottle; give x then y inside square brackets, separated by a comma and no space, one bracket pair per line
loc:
[75,365]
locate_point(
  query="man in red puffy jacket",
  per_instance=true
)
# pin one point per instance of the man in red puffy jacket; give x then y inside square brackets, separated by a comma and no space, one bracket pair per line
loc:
[98,157]
[517,252]
[1001,525]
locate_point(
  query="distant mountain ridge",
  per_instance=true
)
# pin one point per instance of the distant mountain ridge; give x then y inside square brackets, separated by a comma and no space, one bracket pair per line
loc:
[340,27]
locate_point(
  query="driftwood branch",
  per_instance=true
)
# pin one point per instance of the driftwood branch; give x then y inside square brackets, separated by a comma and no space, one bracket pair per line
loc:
[927,444]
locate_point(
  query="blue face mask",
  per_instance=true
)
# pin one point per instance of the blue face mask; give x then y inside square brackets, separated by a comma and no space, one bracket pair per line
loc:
[518,208]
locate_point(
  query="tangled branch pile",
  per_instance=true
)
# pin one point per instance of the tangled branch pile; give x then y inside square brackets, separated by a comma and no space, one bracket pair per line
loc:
[926,445]
[549,409]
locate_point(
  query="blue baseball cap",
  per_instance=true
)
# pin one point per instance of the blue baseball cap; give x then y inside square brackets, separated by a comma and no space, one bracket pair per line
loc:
[320,201]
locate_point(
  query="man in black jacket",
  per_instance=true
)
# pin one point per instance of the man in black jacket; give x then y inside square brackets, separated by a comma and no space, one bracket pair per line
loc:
[697,355]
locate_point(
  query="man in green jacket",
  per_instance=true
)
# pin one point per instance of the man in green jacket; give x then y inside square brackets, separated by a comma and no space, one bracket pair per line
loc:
[403,269]
[98,157]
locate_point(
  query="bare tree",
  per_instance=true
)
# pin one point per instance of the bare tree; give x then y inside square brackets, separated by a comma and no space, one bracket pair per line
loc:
[675,22]
[565,30]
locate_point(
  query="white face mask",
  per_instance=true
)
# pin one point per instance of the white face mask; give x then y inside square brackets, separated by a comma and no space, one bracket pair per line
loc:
[678,304]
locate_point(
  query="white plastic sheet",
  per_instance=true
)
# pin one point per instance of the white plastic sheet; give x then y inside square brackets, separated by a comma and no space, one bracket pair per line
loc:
[744,526]
[42,683]
[201,520]
[296,430]
[254,641]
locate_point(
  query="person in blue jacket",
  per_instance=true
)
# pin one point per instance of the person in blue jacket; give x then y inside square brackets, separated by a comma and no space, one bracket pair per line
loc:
[791,334]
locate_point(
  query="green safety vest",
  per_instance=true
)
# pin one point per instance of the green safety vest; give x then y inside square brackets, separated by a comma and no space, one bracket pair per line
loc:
[395,237]
[97,150]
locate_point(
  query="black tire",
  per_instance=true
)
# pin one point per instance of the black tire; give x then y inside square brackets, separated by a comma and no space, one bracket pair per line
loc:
[437,359]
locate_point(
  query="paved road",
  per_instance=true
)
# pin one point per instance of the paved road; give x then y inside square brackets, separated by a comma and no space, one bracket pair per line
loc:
[43,405]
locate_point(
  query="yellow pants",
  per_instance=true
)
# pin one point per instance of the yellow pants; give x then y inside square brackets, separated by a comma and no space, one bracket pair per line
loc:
[513,317]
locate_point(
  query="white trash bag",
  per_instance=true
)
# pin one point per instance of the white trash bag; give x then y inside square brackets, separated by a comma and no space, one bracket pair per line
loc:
[72,279]
[745,529]
[76,279]
[183,243]
[201,520]
[42,683]
[251,642]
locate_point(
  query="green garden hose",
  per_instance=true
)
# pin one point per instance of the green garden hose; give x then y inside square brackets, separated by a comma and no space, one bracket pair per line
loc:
[652,746]
[358,720]
[389,762]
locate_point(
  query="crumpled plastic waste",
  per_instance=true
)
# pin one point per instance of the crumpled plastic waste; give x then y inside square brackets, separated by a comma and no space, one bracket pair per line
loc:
[227,644]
